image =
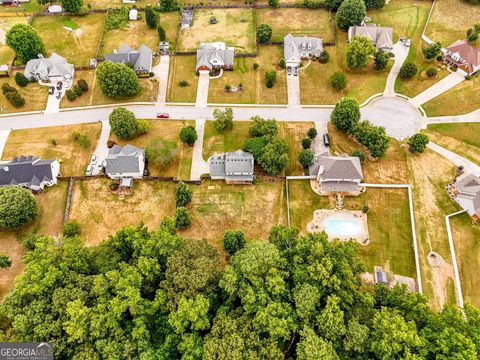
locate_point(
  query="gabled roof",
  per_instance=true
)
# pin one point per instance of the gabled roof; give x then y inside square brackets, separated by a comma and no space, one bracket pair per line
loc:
[211,54]
[238,165]
[54,66]
[140,59]
[293,45]
[469,184]
[124,160]
[29,170]
[380,36]
[466,51]
[337,168]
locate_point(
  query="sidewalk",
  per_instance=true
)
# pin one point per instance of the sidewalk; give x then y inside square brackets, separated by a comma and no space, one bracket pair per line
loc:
[437,89]
[199,165]
[161,73]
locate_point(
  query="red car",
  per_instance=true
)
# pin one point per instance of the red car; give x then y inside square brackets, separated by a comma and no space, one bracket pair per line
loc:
[163,116]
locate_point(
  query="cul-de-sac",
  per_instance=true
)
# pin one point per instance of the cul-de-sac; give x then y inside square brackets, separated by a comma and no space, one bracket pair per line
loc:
[239,179]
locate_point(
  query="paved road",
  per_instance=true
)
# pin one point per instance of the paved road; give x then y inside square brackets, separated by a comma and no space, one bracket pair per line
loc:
[293,90]
[468,166]
[401,53]
[202,89]
[161,72]
[101,151]
[199,165]
[437,89]
[318,146]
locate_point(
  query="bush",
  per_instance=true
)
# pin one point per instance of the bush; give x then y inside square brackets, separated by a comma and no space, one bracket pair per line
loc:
[358,52]
[270,78]
[71,229]
[338,80]
[255,66]
[17,207]
[312,133]
[432,71]
[374,4]
[439,58]
[408,70]
[161,151]
[228,87]
[183,83]
[306,143]
[81,139]
[152,17]
[183,195]
[83,85]
[381,60]
[143,127]
[188,135]
[373,138]
[418,142]
[21,79]
[77,90]
[365,209]
[223,119]
[360,154]
[233,240]
[264,33]
[313,4]
[432,50]
[274,3]
[162,36]
[306,157]
[346,114]
[281,63]
[123,123]
[12,95]
[70,94]
[183,219]
[350,12]
[5,261]
[324,57]
[262,127]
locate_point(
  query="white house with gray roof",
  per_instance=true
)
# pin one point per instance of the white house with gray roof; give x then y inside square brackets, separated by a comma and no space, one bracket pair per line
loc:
[233,167]
[380,36]
[341,174]
[467,194]
[52,69]
[140,60]
[30,172]
[125,162]
[214,55]
[296,48]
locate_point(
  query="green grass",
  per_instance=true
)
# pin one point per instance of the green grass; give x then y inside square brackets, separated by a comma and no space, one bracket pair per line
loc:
[6,23]
[68,22]
[182,68]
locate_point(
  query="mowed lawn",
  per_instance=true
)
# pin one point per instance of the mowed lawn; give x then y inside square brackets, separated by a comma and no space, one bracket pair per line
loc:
[235,27]
[181,163]
[298,22]
[77,46]
[101,213]
[55,143]
[182,68]
[6,23]
[254,90]
[34,94]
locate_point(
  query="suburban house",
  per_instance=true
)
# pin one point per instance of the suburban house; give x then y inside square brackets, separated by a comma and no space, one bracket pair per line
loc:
[125,162]
[466,192]
[337,174]
[211,56]
[380,36]
[140,60]
[233,167]
[53,69]
[297,48]
[30,172]
[464,56]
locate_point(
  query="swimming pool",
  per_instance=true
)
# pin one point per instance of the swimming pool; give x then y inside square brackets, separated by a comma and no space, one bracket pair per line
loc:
[343,228]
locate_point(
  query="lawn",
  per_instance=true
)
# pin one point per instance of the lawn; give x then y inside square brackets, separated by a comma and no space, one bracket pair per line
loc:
[461,138]
[104,4]
[298,22]
[180,165]
[235,27]
[24,9]
[451,19]
[253,81]
[77,46]
[462,99]
[35,96]
[40,142]
[7,54]
[101,213]
[182,68]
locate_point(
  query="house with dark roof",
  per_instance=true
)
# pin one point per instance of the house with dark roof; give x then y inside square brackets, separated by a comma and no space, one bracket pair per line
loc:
[140,60]
[466,191]
[464,56]
[52,69]
[30,172]
[211,56]
[233,167]
[337,174]
[381,37]
[125,162]
[296,48]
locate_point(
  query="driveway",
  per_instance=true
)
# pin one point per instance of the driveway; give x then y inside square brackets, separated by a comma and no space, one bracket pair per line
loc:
[318,145]
[293,90]
[437,89]
[161,73]
[199,165]
[401,53]
[101,151]
[468,166]
[202,89]
[53,104]
[474,116]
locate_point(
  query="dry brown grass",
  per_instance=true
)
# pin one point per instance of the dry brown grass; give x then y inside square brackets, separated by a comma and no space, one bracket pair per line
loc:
[182,68]
[35,96]
[7,54]
[15,251]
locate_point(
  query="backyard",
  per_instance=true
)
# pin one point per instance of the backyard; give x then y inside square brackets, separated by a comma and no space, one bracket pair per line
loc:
[34,94]
[7,54]
[182,68]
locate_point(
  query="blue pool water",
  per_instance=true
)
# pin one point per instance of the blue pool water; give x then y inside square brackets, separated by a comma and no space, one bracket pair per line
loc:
[343,228]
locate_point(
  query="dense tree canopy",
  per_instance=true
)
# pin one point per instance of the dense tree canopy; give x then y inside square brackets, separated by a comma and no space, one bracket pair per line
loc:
[72,6]
[264,33]
[26,43]
[351,12]
[223,119]
[117,80]
[358,52]
[17,207]
[346,114]
[123,123]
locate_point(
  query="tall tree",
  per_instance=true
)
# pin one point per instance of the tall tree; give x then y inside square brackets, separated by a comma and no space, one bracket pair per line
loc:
[24,40]
[17,207]
[358,52]
[351,12]
[117,80]
[346,114]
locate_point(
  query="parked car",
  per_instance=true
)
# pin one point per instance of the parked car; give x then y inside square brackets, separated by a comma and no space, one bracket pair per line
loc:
[289,70]
[89,170]
[59,85]
[326,139]
[51,90]
[93,160]
[295,71]
[163,116]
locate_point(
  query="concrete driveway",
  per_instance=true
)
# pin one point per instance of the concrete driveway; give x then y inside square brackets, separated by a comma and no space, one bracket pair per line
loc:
[53,104]
[161,73]
[293,90]
[401,52]
[202,89]
[199,165]
[101,151]
[437,89]
[468,166]
[318,146]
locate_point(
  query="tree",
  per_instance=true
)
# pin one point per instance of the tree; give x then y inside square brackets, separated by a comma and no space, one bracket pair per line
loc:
[374,4]
[264,33]
[17,207]
[223,119]
[306,143]
[117,80]
[408,70]
[324,57]
[311,347]
[270,78]
[306,157]
[160,151]
[350,13]
[21,79]
[431,51]
[168,5]
[152,17]
[12,95]
[274,157]
[262,127]
[313,4]
[381,60]
[72,6]
[431,71]
[358,52]
[274,3]
[123,123]
[418,142]
[71,229]
[162,36]
[233,241]
[5,261]
[473,33]
[282,63]
[312,133]
[83,85]
[360,154]
[24,40]
[346,114]
[373,138]
[332,4]
[188,134]
[183,219]
[338,80]
[183,194]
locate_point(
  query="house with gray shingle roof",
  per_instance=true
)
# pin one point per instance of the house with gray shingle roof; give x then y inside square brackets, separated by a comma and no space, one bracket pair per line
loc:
[381,37]
[341,174]
[215,55]
[124,162]
[233,167]
[53,69]
[140,60]
[467,194]
[296,48]
[30,172]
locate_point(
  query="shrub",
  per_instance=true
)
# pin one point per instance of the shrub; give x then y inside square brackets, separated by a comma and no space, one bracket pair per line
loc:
[228,87]
[432,50]
[306,143]
[21,79]
[110,143]
[418,142]
[255,66]
[374,4]
[274,3]
[365,209]
[152,17]
[183,219]
[312,133]
[381,60]
[81,139]
[346,114]
[188,135]
[183,195]
[162,36]
[70,94]
[117,18]
[432,71]
[30,241]
[264,33]
[324,57]
[12,95]
[262,127]
[161,151]
[233,240]
[358,52]
[53,142]
[408,70]
[281,63]
[270,78]
[306,157]
[83,85]
[373,138]
[313,4]
[338,80]
[439,58]
[17,207]
[71,229]
[123,123]
[77,90]
[183,83]
[5,261]
[223,119]
[360,154]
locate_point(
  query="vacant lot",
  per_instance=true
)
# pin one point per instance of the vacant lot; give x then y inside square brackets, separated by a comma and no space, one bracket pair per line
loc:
[77,46]
[101,213]
[235,27]
[55,142]
[6,23]
[35,96]
[105,4]
[253,81]
[182,68]
[298,22]
[180,165]
[450,20]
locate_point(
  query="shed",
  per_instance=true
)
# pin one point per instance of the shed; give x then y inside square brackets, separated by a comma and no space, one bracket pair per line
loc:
[133,14]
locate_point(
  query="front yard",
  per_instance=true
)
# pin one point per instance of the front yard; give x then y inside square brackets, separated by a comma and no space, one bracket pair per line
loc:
[34,94]
[6,23]
[182,68]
